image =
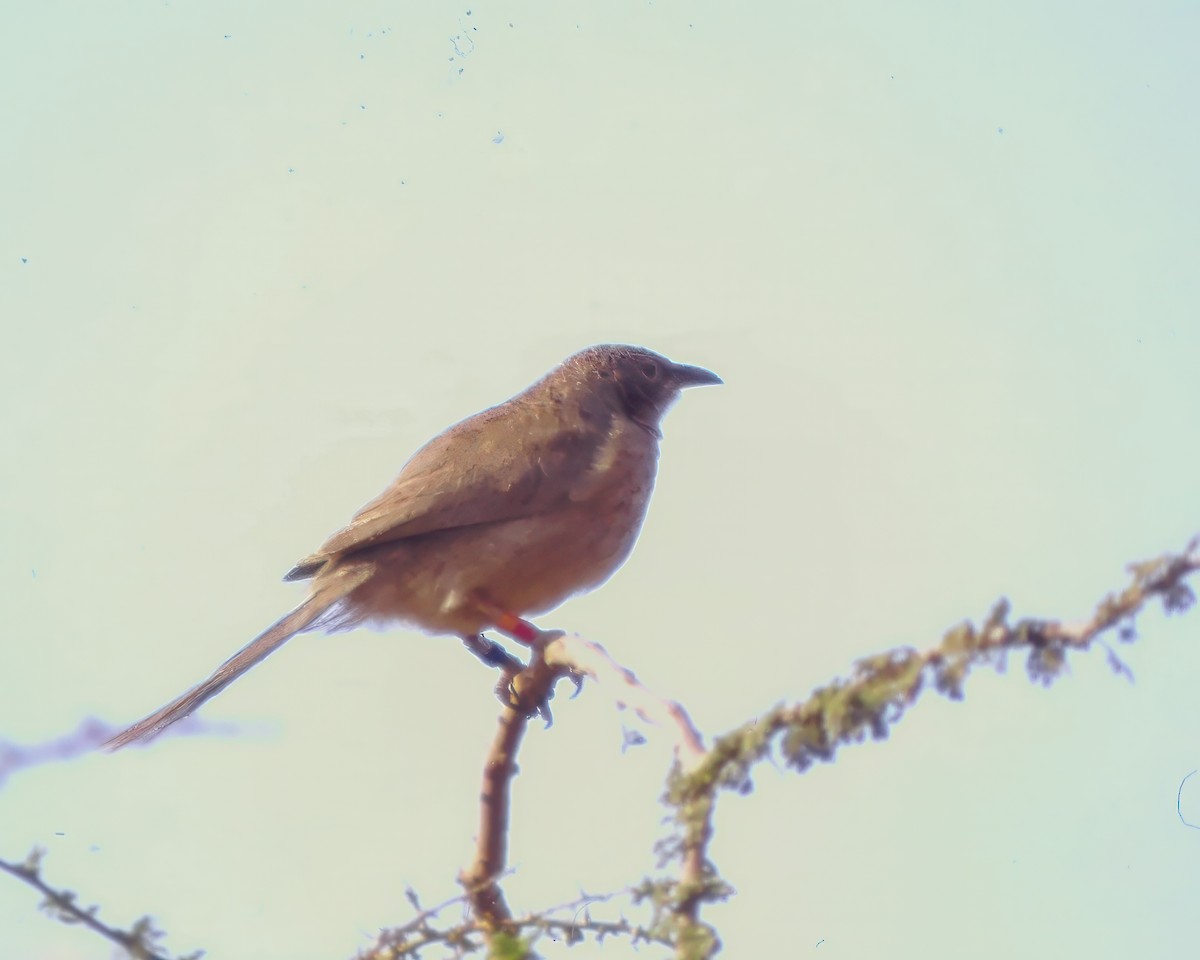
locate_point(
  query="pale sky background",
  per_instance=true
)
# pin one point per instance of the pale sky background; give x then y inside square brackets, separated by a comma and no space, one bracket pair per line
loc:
[944,256]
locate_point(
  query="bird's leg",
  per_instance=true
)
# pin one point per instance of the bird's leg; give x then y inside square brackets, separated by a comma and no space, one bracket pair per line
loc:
[526,687]
[508,623]
[492,654]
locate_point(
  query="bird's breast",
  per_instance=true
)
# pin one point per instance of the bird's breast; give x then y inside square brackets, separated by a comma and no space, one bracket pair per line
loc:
[623,466]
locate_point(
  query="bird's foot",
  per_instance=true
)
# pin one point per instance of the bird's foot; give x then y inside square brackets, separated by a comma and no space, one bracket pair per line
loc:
[526,687]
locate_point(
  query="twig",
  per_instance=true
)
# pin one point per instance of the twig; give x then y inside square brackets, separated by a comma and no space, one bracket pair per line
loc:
[61,903]
[587,658]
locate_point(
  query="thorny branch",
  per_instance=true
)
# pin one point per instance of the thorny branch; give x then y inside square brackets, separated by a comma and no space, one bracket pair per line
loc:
[410,938]
[138,942]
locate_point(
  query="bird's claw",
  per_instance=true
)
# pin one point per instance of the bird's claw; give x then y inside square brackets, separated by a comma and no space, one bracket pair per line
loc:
[521,697]
[516,691]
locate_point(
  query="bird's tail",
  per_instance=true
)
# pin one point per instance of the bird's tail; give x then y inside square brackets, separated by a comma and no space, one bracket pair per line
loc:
[257,650]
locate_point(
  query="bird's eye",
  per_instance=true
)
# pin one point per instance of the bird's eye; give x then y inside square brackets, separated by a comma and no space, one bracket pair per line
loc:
[650,370]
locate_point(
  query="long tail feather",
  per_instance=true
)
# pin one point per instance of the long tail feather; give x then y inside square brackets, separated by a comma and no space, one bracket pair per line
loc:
[257,650]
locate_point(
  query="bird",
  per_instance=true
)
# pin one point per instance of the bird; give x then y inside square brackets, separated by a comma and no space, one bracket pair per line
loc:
[501,517]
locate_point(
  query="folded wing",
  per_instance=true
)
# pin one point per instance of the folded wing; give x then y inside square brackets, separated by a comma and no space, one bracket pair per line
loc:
[469,475]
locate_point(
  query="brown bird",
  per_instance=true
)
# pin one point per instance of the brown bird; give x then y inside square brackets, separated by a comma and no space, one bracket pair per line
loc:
[501,517]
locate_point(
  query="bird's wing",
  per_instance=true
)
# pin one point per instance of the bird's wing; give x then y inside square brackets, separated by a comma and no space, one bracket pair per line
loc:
[500,464]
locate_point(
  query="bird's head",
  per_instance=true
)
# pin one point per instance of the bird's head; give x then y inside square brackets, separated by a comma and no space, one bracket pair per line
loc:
[643,383]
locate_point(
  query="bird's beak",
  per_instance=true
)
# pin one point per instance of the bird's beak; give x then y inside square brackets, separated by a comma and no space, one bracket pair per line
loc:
[687,376]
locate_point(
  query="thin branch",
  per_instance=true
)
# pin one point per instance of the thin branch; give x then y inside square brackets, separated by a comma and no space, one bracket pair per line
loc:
[61,904]
[587,658]
[528,694]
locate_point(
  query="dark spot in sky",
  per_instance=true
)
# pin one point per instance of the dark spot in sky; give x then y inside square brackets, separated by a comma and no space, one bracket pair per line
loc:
[362,106]
[24,259]
[1000,130]
[362,56]
[291,169]
[499,137]
[229,36]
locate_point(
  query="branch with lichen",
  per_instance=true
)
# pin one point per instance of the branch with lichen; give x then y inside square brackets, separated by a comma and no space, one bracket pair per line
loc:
[879,692]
